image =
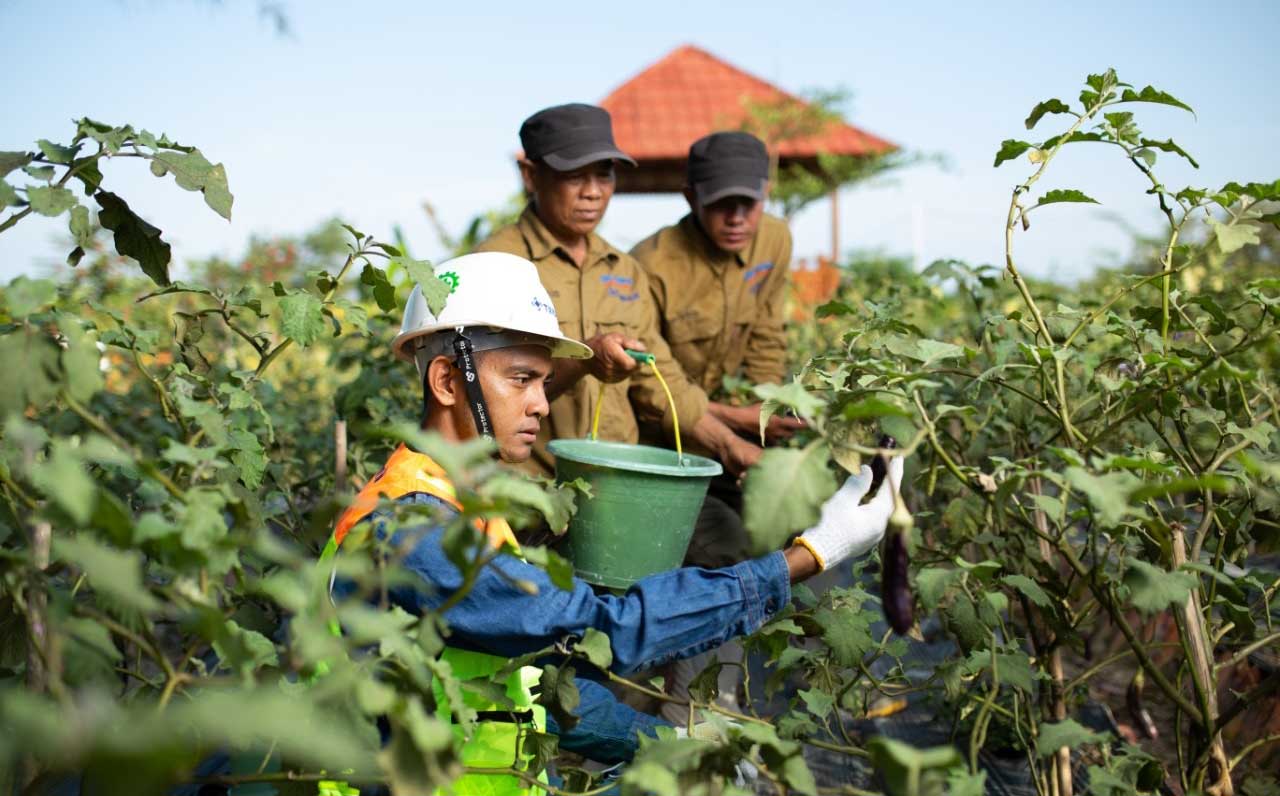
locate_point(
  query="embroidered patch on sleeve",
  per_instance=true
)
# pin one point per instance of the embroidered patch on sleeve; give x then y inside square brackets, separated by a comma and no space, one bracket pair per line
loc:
[754,276]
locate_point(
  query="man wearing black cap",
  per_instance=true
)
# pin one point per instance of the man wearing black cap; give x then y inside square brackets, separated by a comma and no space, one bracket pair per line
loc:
[717,278]
[601,295]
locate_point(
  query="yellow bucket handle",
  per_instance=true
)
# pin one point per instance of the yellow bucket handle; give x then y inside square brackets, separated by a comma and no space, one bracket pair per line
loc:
[652,362]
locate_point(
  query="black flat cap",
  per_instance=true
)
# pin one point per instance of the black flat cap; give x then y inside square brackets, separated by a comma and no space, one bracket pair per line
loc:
[728,164]
[568,137]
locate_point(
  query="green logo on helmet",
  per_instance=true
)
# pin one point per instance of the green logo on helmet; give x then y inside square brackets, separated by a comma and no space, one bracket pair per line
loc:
[450,278]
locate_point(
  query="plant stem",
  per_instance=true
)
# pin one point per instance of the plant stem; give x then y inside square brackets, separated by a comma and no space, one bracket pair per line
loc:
[1249,650]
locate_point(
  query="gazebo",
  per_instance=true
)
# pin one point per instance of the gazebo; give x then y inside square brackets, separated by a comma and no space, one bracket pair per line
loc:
[689,93]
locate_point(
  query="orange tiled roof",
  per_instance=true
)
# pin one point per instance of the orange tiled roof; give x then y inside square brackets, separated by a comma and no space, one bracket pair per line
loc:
[689,93]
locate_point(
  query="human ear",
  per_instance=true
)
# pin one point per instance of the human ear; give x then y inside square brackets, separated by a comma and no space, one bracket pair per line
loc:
[528,172]
[440,382]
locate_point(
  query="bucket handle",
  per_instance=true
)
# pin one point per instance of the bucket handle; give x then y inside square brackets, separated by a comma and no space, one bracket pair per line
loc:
[643,358]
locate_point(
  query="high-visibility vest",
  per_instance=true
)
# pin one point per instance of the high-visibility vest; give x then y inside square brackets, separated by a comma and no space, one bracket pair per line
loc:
[497,736]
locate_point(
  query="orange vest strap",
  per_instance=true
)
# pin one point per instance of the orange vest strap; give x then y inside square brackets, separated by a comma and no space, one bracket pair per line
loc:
[405,473]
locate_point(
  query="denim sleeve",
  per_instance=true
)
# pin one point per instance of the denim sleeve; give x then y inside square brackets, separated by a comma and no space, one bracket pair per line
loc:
[661,618]
[607,730]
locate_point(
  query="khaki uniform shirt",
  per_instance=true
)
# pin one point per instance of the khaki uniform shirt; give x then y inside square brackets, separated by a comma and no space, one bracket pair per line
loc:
[721,313]
[608,293]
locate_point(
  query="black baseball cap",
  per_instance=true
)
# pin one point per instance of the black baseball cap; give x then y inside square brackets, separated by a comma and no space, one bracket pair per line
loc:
[728,164]
[568,137]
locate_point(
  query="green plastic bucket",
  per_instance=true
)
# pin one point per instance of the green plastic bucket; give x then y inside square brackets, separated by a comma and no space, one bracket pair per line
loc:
[641,514]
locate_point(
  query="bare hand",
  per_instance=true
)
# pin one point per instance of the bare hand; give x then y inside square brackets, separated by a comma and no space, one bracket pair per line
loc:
[746,421]
[782,428]
[611,363]
[738,455]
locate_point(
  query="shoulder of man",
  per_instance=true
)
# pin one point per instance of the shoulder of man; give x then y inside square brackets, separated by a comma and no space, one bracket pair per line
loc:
[772,228]
[665,252]
[508,239]
[646,249]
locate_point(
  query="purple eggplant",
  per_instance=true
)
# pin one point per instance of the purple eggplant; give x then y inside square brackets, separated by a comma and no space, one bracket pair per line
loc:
[895,557]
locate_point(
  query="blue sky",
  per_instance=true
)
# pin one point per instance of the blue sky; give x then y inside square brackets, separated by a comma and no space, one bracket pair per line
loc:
[366,110]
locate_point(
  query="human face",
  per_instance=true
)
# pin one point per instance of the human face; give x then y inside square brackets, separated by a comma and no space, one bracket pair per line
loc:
[513,381]
[570,203]
[730,222]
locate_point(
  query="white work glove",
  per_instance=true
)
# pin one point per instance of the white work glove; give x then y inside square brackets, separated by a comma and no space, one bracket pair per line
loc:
[847,529]
[745,772]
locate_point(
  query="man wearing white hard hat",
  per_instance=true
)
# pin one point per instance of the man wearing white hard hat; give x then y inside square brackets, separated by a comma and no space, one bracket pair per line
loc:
[483,362]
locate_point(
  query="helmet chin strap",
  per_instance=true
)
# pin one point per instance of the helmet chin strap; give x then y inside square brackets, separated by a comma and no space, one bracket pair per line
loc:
[465,359]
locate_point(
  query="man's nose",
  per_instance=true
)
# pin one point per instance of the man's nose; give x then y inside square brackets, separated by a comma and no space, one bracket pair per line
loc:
[538,406]
[593,187]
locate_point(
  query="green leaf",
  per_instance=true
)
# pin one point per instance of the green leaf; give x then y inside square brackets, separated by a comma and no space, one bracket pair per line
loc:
[30,360]
[40,172]
[63,479]
[1108,493]
[793,396]
[1048,106]
[1231,237]
[558,568]
[847,632]
[926,351]
[193,172]
[24,296]
[1012,668]
[13,160]
[57,153]
[1064,195]
[1259,434]
[1009,149]
[932,583]
[112,572]
[506,491]
[960,782]
[559,695]
[1150,94]
[1178,486]
[95,636]
[1152,589]
[81,227]
[434,289]
[819,703]
[784,493]
[248,457]
[595,647]
[302,317]
[1029,588]
[1068,733]
[134,237]
[244,650]
[383,291]
[8,196]
[50,200]
[908,771]
[1169,146]
[80,358]
[88,172]
[871,407]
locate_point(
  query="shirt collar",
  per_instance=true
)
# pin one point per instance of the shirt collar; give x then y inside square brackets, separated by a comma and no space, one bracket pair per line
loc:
[542,243]
[717,256]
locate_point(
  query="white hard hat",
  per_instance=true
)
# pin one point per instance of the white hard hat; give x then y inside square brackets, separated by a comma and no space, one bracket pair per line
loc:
[498,298]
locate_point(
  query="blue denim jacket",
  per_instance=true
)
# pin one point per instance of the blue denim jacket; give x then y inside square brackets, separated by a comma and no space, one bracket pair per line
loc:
[661,618]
